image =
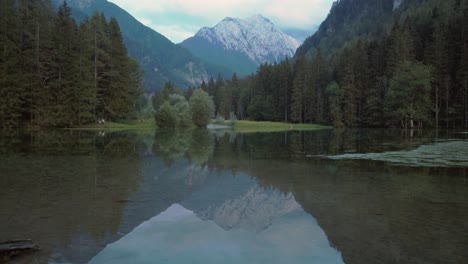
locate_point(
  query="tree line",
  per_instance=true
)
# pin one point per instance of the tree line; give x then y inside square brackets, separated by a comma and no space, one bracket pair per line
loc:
[56,73]
[412,74]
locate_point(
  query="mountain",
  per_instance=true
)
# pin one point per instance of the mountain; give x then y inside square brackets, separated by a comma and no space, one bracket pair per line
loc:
[347,20]
[300,34]
[160,59]
[242,44]
[365,67]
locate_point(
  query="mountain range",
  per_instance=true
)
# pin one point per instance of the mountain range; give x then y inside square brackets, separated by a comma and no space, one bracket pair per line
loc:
[160,59]
[232,46]
[242,44]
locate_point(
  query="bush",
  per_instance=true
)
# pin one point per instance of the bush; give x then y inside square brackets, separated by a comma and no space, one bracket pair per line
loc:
[166,116]
[201,108]
[219,120]
[174,112]
[182,110]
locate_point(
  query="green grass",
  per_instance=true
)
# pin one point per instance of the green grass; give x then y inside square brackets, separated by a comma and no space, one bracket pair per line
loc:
[238,126]
[146,124]
[264,126]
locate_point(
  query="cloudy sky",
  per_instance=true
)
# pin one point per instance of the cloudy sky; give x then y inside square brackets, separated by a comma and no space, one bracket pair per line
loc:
[180,19]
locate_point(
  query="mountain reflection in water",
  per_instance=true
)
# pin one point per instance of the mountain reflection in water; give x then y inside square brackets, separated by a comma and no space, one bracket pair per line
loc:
[178,235]
[196,195]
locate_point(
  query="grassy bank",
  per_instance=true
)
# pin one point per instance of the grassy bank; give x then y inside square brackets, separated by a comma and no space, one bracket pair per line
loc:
[146,124]
[238,126]
[260,126]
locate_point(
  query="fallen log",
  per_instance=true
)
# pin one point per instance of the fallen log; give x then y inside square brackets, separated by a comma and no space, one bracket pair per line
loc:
[12,248]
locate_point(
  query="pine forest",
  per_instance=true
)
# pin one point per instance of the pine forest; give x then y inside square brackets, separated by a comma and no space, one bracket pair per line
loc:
[56,73]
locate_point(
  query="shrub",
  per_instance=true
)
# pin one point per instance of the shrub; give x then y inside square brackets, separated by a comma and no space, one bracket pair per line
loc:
[201,107]
[166,116]
[219,120]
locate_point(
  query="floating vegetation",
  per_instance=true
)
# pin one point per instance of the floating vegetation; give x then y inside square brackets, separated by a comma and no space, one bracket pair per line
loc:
[442,154]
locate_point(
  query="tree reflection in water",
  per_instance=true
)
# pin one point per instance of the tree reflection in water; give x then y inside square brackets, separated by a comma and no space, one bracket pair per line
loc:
[74,192]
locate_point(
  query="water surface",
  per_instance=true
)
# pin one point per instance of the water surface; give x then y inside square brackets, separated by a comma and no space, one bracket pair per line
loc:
[360,196]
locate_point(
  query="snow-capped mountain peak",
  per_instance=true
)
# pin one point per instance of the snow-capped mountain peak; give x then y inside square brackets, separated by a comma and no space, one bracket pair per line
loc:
[256,37]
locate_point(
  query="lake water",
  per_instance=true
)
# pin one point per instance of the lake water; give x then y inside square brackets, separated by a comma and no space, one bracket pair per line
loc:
[328,196]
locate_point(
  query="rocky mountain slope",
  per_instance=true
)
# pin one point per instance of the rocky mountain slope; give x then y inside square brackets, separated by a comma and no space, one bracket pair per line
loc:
[242,44]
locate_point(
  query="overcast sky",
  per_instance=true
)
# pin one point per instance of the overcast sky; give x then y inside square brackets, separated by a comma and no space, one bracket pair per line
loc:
[180,19]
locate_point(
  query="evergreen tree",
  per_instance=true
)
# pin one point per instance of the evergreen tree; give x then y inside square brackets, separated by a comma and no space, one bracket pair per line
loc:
[65,94]
[335,96]
[101,61]
[462,71]
[437,56]
[298,91]
[85,90]
[12,88]
[211,87]
[219,96]
[362,78]
[235,95]
[34,57]
[117,95]
[203,86]
[136,89]
[318,85]
[54,73]
[401,48]
[373,109]
[350,93]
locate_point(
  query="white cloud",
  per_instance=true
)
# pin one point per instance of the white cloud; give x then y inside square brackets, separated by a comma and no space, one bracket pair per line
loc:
[178,17]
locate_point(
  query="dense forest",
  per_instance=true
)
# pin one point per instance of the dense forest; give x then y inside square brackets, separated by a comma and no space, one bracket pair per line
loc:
[403,66]
[55,73]
[371,64]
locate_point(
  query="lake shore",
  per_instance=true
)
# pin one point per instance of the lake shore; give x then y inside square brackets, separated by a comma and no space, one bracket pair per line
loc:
[241,126]
[147,124]
[244,126]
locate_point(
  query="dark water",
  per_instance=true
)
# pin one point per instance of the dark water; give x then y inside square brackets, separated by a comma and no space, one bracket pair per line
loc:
[204,197]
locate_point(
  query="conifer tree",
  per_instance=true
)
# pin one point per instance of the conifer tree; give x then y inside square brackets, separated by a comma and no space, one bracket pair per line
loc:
[298,91]
[86,93]
[64,86]
[318,84]
[350,93]
[118,96]
[335,96]
[437,56]
[11,76]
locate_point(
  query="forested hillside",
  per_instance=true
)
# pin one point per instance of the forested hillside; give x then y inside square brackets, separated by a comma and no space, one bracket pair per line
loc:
[160,59]
[55,73]
[373,63]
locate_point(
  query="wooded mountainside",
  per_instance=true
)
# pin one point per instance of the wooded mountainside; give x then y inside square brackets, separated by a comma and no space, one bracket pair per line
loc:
[159,58]
[55,73]
[371,64]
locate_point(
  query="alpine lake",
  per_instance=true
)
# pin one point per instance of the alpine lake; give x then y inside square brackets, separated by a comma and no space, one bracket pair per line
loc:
[205,196]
